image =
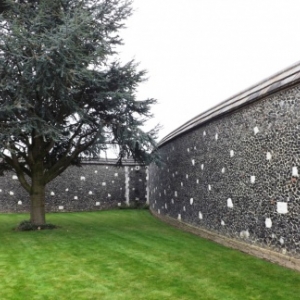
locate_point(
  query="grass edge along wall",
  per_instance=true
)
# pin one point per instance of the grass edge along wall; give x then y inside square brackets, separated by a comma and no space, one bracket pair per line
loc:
[233,170]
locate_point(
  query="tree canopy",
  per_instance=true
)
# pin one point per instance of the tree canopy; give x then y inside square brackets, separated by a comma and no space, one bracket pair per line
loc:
[63,93]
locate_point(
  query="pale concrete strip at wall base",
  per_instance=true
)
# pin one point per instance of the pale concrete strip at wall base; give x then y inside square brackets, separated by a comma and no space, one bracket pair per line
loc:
[269,255]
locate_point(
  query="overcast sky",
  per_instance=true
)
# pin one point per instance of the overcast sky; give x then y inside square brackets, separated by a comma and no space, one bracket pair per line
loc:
[201,52]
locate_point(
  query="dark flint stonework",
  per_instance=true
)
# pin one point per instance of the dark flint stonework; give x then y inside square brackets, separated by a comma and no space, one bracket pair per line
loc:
[86,183]
[138,183]
[278,121]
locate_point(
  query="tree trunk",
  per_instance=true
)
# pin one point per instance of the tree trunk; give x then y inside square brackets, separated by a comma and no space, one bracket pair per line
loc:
[37,197]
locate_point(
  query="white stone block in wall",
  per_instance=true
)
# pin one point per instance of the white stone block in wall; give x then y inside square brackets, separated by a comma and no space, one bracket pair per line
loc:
[0,190]
[19,202]
[193,162]
[112,181]
[108,195]
[90,193]
[106,168]
[82,178]
[181,183]
[166,206]
[60,207]
[191,201]
[195,148]
[281,240]
[179,217]
[222,223]
[216,137]
[209,187]
[282,207]
[269,155]
[188,149]
[52,193]
[158,211]
[96,171]
[184,209]
[295,172]
[204,133]
[75,197]
[197,181]
[97,203]
[252,179]
[103,183]
[268,222]
[223,170]
[256,130]
[66,189]
[119,204]
[172,201]
[175,194]
[11,193]
[229,203]
[116,174]
[187,176]
[202,166]
[200,215]
[231,153]
[244,234]
[14,177]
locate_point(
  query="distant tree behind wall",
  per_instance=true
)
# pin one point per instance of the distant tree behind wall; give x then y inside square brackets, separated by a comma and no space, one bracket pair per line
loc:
[63,95]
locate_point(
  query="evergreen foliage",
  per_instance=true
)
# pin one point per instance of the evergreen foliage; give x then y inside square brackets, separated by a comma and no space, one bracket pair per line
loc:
[63,93]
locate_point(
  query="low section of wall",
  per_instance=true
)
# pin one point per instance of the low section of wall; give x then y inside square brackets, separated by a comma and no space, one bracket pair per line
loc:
[96,185]
[236,173]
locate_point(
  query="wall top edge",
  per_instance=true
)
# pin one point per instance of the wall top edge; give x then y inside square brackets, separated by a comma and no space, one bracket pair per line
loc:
[110,161]
[278,81]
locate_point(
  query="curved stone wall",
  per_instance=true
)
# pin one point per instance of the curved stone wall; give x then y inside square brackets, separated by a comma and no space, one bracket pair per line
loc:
[233,170]
[97,185]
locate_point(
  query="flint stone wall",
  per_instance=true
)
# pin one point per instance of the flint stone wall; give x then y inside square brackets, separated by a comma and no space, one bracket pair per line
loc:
[234,169]
[96,185]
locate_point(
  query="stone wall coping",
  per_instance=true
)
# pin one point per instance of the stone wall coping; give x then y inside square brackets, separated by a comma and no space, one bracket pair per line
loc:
[279,81]
[110,161]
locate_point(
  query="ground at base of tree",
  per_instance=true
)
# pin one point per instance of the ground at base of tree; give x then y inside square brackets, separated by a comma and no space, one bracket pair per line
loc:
[29,226]
[128,254]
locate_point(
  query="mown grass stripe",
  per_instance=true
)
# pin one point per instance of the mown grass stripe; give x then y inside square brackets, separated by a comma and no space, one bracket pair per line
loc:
[128,254]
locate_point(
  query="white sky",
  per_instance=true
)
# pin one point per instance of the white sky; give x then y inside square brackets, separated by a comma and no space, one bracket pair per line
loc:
[201,52]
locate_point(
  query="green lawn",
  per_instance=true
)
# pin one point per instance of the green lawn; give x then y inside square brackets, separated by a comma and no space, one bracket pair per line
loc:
[128,254]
